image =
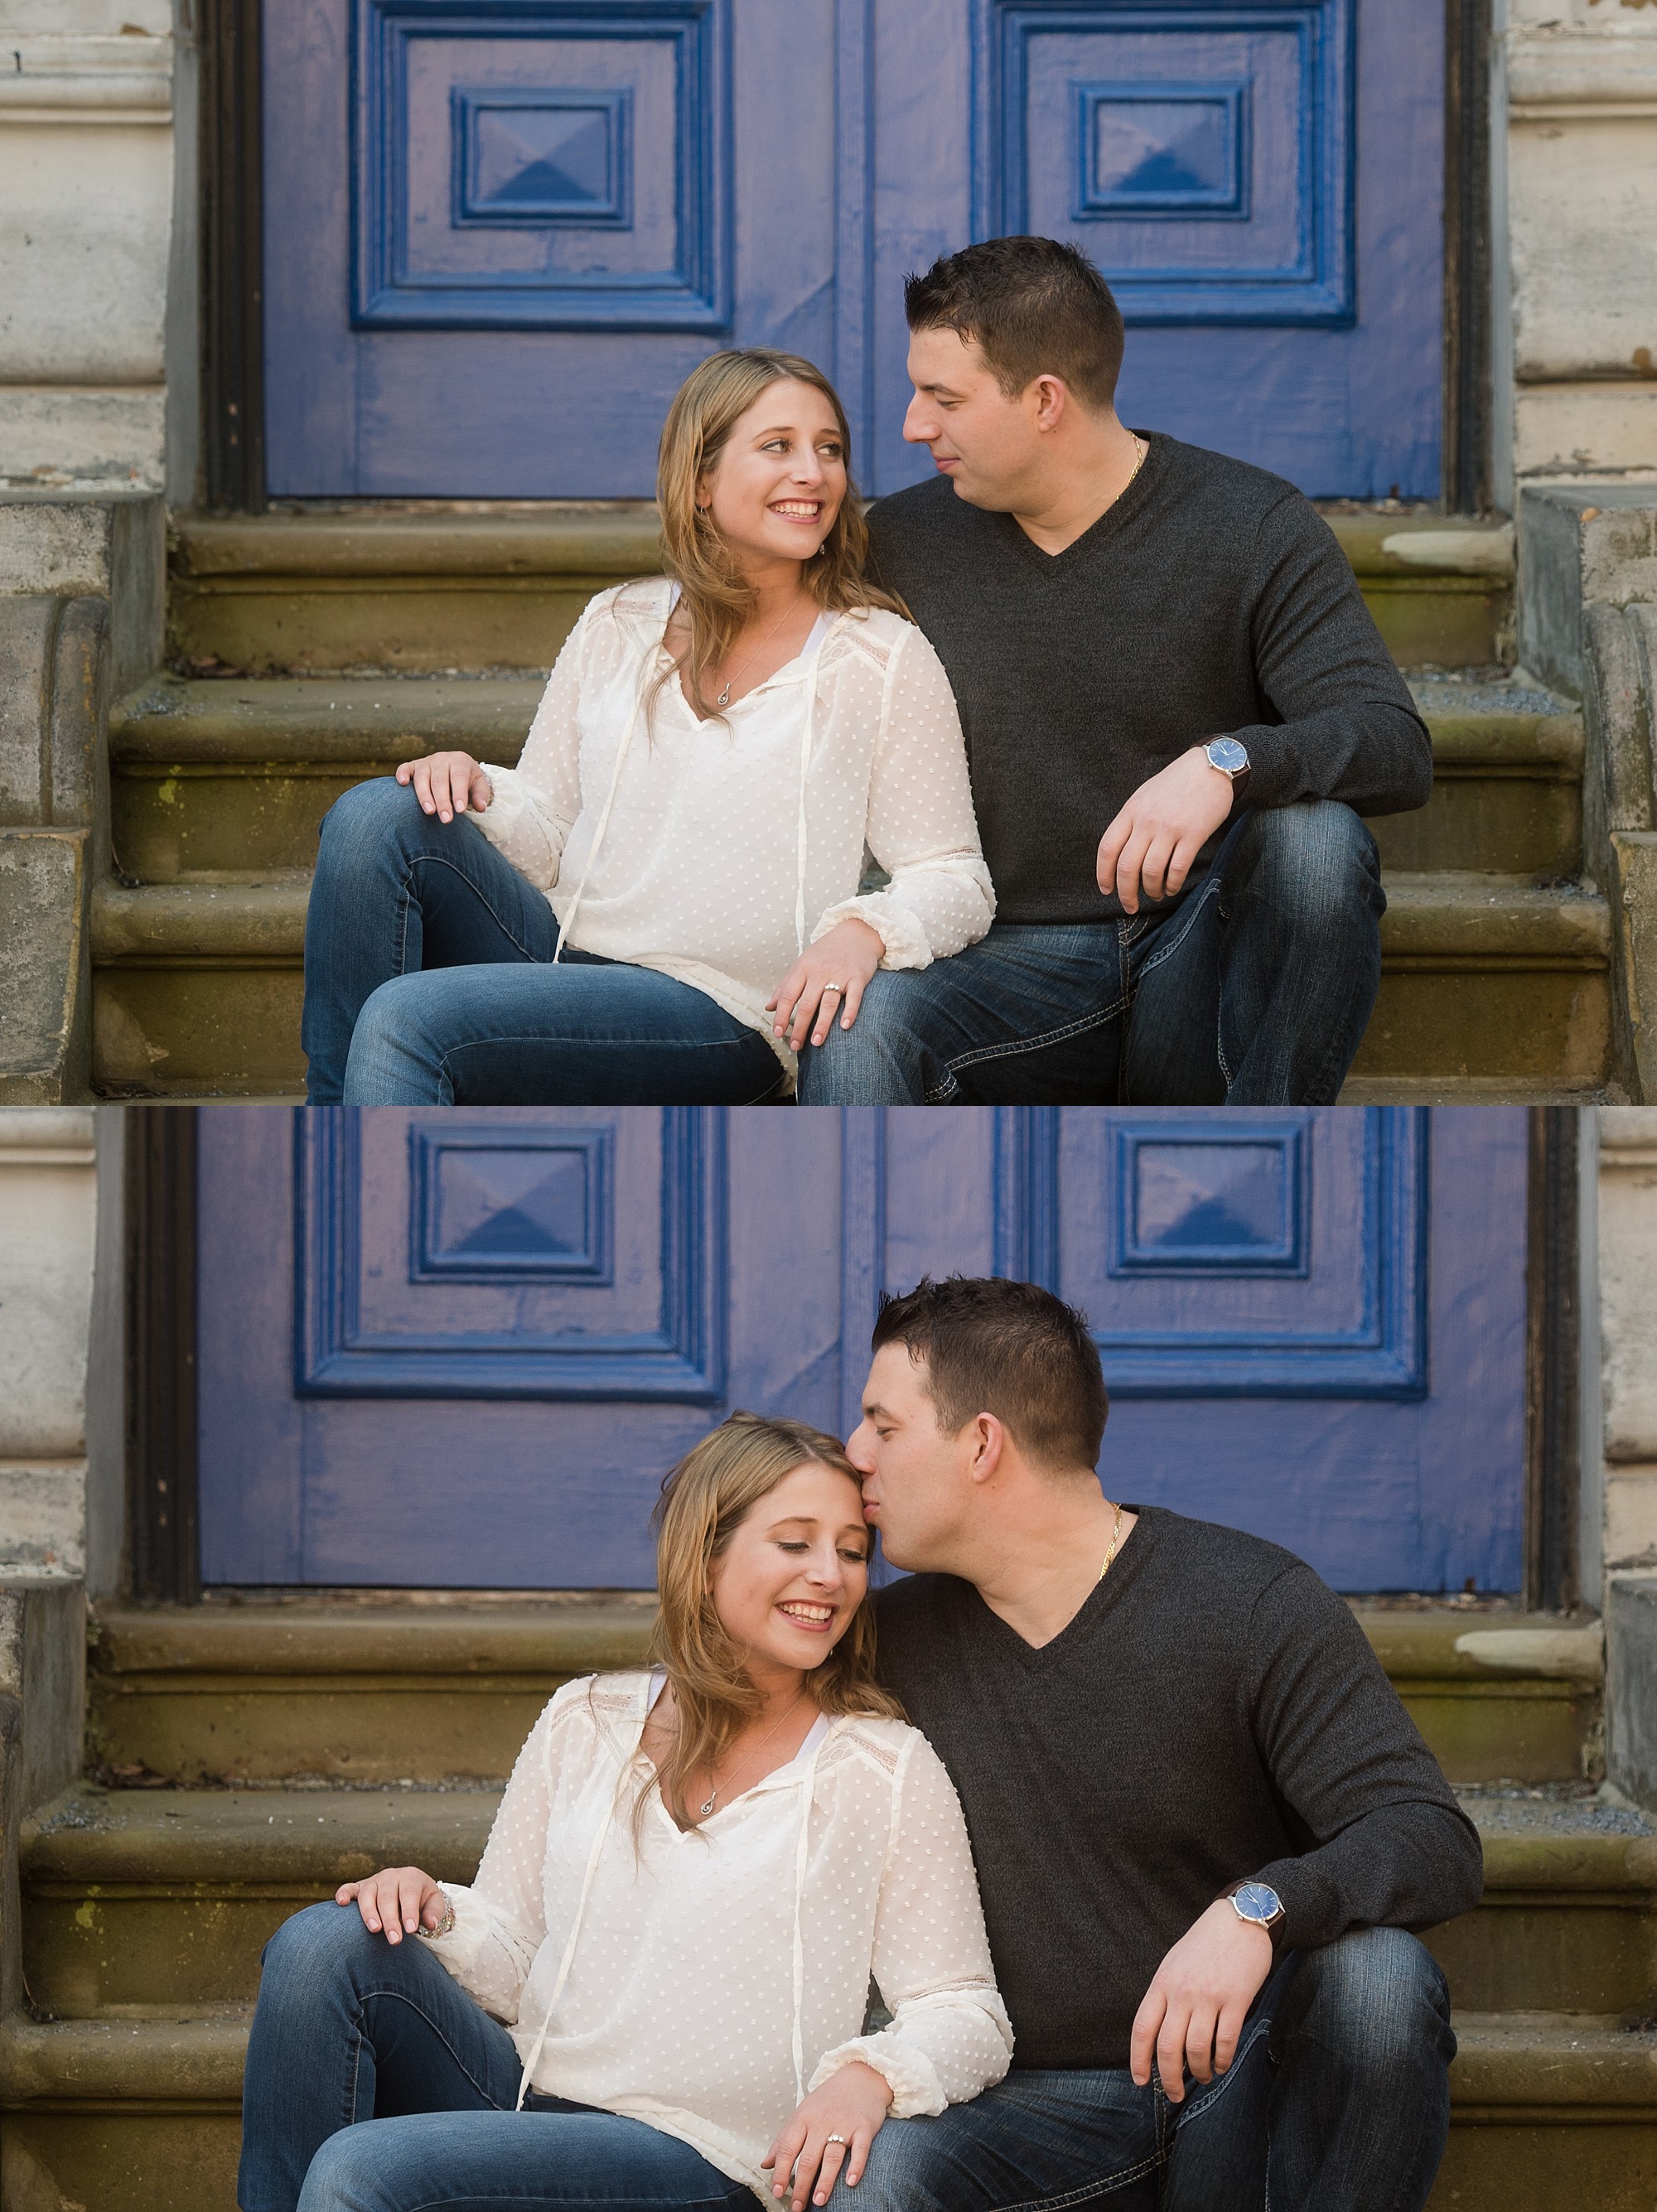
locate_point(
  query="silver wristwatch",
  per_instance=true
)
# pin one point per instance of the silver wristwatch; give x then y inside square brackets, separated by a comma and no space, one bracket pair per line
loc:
[1231,759]
[1258,1903]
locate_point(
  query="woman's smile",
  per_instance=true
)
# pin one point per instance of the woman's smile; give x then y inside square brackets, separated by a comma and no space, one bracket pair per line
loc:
[805,1613]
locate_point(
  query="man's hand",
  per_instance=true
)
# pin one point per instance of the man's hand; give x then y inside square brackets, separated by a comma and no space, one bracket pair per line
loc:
[1159,833]
[1198,1998]
[851,2106]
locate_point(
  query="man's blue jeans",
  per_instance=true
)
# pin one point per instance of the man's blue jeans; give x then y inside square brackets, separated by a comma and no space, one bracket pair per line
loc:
[375,2084]
[428,980]
[1338,2101]
[1254,991]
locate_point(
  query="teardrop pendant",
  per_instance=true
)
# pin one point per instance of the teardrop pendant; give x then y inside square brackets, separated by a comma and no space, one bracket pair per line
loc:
[724,699]
[704,1810]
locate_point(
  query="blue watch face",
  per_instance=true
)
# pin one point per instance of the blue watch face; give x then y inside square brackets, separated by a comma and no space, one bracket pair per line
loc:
[1226,753]
[1258,1901]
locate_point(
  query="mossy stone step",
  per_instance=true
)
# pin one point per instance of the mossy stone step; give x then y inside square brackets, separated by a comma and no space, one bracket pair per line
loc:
[499,585]
[198,986]
[226,774]
[141,2113]
[136,1896]
[378,1692]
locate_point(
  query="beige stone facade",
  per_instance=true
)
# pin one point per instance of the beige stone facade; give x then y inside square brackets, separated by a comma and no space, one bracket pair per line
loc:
[1575,220]
[1627,1283]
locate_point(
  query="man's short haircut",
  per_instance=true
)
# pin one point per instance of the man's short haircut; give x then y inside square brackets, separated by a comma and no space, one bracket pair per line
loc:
[1010,1349]
[1035,307]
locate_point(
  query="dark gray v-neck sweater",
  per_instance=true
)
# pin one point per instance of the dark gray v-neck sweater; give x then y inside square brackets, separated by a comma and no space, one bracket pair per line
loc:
[1210,600]
[1213,1712]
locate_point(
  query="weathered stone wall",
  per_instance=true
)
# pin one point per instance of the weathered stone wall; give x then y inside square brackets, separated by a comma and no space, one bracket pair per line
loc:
[81,609]
[1576,204]
[86,225]
[48,1203]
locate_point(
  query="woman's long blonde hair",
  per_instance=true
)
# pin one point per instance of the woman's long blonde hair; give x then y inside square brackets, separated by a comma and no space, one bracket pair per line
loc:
[712,1488]
[715,597]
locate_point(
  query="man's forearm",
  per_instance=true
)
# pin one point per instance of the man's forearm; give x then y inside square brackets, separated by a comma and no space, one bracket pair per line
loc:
[1374,756]
[1410,1865]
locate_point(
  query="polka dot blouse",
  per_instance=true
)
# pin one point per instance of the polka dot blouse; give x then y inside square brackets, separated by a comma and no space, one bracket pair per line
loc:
[716,851]
[705,1981]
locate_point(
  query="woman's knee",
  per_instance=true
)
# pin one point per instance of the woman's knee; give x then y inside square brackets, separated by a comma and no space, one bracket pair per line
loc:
[371,813]
[312,1946]
[348,2174]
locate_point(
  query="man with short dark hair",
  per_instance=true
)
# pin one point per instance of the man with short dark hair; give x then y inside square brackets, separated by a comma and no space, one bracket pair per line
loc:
[1203,1822]
[1176,705]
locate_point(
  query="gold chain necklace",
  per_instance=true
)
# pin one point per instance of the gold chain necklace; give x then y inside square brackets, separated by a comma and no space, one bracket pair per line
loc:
[1115,1539]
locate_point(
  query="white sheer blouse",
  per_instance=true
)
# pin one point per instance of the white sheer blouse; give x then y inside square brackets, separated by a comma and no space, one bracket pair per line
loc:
[715,851]
[707,1981]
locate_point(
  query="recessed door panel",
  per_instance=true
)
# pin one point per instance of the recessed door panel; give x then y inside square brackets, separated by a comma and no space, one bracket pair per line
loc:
[462,1350]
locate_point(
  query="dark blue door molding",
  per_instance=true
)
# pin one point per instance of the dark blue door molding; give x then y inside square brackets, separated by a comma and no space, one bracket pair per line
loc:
[556,207]
[462,1350]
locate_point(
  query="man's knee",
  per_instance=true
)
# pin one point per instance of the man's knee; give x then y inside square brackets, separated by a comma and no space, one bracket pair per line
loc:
[876,1061]
[1315,859]
[1378,1997]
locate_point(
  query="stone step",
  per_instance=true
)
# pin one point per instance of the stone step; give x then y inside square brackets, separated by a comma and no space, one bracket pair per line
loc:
[216,775]
[378,1691]
[168,1896]
[433,587]
[197,985]
[140,2113]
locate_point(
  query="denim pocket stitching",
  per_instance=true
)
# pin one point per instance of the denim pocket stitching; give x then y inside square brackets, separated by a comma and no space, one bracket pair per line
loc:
[1061,1036]
[1090,2193]
[1217,2089]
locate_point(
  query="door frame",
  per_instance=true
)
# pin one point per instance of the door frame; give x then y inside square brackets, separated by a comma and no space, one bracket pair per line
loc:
[232,274]
[162,1554]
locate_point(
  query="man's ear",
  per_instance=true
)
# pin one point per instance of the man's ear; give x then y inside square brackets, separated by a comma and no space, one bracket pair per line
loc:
[1052,397]
[988,1439]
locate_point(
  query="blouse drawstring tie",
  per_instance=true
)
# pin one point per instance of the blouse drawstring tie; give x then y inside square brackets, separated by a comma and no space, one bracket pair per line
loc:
[565,1963]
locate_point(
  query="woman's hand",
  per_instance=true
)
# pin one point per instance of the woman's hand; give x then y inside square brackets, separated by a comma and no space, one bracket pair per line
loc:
[397,1899]
[851,2104]
[848,954]
[446,783]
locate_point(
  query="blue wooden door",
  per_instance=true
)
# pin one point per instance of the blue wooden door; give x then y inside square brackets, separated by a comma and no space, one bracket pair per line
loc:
[499,232]
[462,1349]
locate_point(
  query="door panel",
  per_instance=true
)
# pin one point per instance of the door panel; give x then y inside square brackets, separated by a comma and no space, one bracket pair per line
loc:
[554,208]
[444,1350]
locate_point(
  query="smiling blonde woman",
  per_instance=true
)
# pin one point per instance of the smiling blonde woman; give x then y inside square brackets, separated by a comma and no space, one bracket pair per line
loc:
[653,1994]
[660,904]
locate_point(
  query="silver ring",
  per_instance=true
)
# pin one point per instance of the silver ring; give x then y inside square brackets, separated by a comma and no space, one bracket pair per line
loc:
[841,2140]
[839,990]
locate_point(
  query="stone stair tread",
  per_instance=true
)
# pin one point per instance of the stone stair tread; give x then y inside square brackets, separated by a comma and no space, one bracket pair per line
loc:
[135,2054]
[519,537]
[283,720]
[96,1836]
[1468,1091]
[153,2054]
[1543,2059]
[399,1636]
[226,917]
[1443,914]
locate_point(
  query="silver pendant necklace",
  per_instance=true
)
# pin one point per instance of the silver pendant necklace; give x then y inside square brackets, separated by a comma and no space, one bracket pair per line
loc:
[705,1808]
[724,699]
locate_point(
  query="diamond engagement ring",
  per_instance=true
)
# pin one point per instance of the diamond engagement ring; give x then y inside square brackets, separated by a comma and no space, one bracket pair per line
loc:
[841,2140]
[839,991]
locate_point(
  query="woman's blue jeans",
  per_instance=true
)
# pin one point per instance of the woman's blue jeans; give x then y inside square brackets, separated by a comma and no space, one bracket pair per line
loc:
[428,980]
[375,2084]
